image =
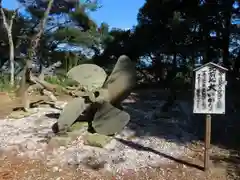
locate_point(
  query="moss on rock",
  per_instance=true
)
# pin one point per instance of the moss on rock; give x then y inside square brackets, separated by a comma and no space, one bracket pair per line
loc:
[77,126]
[96,140]
[60,141]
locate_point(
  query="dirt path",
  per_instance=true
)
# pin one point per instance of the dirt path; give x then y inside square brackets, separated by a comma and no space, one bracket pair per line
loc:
[13,168]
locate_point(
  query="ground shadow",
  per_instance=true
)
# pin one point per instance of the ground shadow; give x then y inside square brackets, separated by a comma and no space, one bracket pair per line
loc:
[37,104]
[147,119]
[184,127]
[148,149]
[53,115]
[31,105]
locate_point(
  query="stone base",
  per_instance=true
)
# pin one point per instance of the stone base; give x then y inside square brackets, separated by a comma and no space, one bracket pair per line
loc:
[80,129]
[20,114]
[96,140]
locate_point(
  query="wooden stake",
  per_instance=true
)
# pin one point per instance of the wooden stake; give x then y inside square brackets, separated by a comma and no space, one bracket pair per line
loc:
[207,142]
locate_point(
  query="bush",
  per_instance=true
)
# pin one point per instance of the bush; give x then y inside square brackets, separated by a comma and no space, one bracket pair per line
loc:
[5,83]
[60,80]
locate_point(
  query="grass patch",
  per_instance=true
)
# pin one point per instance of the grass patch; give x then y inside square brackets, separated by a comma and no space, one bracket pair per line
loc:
[5,84]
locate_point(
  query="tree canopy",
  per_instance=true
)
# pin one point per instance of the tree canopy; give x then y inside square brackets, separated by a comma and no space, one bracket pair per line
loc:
[170,34]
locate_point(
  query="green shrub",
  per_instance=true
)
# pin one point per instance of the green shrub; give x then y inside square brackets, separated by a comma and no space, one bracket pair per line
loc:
[5,84]
[60,80]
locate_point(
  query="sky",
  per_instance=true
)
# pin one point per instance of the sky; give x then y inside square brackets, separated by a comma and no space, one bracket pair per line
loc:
[116,13]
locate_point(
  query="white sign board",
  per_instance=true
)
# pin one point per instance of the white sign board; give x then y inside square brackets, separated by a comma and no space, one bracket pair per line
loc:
[209,91]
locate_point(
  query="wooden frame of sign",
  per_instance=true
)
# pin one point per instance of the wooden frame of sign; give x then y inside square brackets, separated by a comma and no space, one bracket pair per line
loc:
[209,98]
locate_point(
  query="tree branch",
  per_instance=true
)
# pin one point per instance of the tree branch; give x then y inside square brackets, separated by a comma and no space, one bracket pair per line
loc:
[35,40]
[13,17]
[4,19]
[8,26]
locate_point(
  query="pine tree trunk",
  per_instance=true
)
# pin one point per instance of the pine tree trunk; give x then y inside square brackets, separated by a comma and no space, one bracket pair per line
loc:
[8,27]
[11,56]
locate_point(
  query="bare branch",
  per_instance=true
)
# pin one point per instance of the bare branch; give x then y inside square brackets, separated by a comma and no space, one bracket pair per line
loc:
[8,26]
[13,17]
[4,19]
[35,40]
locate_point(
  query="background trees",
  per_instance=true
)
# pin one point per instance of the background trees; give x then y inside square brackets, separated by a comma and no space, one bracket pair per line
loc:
[70,36]
[171,36]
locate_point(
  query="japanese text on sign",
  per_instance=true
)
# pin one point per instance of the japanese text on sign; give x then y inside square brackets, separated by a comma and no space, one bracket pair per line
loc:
[209,93]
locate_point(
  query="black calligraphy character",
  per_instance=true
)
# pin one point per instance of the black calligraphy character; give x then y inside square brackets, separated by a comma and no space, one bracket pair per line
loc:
[220,90]
[212,87]
[198,92]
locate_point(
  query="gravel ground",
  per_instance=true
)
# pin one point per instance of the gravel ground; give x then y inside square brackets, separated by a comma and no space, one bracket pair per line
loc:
[148,148]
[139,145]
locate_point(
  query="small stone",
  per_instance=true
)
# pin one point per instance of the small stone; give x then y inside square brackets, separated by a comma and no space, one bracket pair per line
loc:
[55,169]
[62,148]
[107,167]
[93,163]
[39,121]
[111,145]
[59,141]
[30,145]
[96,140]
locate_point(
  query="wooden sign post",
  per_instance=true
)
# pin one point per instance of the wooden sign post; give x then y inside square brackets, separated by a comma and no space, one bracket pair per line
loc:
[209,98]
